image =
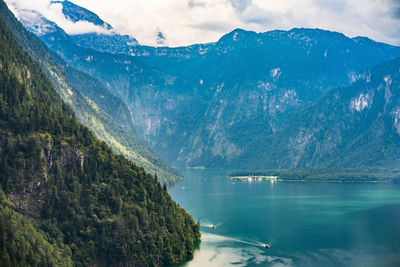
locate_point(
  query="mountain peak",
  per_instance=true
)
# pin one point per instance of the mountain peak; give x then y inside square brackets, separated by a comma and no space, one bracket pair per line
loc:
[236,35]
[300,33]
[36,22]
[316,32]
[367,41]
[77,13]
[160,39]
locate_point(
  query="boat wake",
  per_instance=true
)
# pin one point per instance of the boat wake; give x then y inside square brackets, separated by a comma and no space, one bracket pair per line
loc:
[253,243]
[237,240]
[210,225]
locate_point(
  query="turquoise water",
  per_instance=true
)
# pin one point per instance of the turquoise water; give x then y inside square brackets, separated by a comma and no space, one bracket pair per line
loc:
[306,224]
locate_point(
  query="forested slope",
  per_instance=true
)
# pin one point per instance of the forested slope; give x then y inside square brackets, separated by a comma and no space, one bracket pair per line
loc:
[79,199]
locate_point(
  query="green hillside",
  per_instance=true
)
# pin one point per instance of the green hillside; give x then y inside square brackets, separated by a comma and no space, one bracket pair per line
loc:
[79,200]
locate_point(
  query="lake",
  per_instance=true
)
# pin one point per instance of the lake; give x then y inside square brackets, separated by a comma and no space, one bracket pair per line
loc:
[306,224]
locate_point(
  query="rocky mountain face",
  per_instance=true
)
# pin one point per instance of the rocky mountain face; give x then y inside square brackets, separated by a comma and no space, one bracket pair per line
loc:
[348,127]
[101,41]
[110,43]
[77,13]
[105,114]
[202,105]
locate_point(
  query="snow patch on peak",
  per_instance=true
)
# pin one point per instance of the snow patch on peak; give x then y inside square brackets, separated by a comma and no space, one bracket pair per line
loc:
[289,96]
[396,118]
[388,80]
[361,102]
[366,76]
[275,73]
[352,76]
[35,22]
[266,86]
[234,37]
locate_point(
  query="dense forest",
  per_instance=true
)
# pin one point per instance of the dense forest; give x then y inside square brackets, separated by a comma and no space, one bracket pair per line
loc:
[66,198]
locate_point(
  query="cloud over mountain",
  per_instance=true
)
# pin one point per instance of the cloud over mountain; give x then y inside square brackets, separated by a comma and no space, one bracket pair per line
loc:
[53,12]
[194,21]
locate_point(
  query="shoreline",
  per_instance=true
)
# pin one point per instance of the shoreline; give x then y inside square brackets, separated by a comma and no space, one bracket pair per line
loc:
[277,179]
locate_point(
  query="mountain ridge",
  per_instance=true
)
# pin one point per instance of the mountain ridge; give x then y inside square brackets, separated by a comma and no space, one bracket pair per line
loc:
[77,13]
[208,101]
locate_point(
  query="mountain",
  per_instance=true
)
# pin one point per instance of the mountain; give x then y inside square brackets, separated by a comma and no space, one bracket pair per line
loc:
[202,105]
[77,13]
[349,127]
[36,23]
[86,84]
[101,40]
[207,105]
[114,43]
[106,115]
[66,198]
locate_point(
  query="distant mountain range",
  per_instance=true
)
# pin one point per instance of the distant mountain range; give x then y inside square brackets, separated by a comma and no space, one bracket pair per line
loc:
[222,104]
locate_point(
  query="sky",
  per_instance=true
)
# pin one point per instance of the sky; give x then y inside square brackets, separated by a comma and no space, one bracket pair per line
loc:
[185,22]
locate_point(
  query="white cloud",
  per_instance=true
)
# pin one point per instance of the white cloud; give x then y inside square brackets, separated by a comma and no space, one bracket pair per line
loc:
[185,22]
[54,13]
